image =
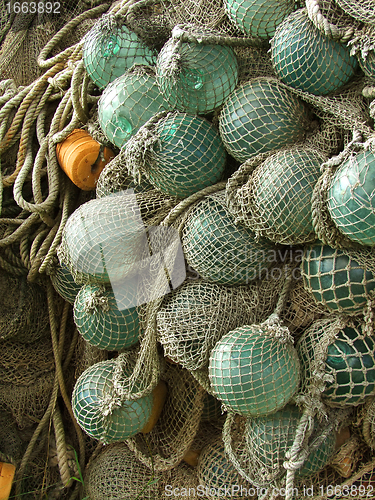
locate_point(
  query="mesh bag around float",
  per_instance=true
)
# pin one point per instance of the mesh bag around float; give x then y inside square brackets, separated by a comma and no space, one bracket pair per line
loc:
[337,359]
[172,437]
[103,239]
[195,316]
[220,250]
[260,115]
[342,206]
[217,473]
[116,473]
[275,199]
[63,282]
[360,10]
[258,18]
[298,65]
[128,103]
[196,77]
[105,322]
[341,280]
[179,154]
[269,438]
[23,313]
[110,48]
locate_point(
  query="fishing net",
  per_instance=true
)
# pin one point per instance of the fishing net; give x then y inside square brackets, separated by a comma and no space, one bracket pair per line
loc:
[260,116]
[342,211]
[327,349]
[86,355]
[219,249]
[368,428]
[12,446]
[178,153]
[172,437]
[258,19]
[104,322]
[23,314]
[341,280]
[362,11]
[347,458]
[63,282]
[217,474]
[298,65]
[275,201]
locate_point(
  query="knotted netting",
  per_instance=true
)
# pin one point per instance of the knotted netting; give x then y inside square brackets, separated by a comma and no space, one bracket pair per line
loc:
[368,426]
[178,153]
[110,49]
[219,249]
[260,115]
[360,10]
[105,322]
[305,59]
[116,473]
[275,200]
[340,279]
[63,282]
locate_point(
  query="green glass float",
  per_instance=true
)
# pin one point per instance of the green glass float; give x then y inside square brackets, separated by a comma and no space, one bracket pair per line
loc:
[335,279]
[110,49]
[281,194]
[128,103]
[103,239]
[99,413]
[221,251]
[268,439]
[64,284]
[349,364]
[102,322]
[260,116]
[258,18]
[187,157]
[253,373]
[351,198]
[215,471]
[203,79]
[307,60]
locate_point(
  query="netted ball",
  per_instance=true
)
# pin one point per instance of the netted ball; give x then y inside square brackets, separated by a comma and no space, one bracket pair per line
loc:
[116,473]
[99,413]
[252,372]
[220,250]
[307,60]
[260,116]
[188,156]
[64,284]
[268,439]
[128,103]
[215,471]
[348,361]
[258,18]
[196,78]
[103,239]
[336,279]
[103,322]
[281,191]
[351,198]
[362,10]
[110,49]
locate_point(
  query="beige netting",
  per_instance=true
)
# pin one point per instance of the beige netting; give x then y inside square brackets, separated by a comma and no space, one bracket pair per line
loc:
[368,428]
[166,445]
[12,446]
[363,10]
[23,314]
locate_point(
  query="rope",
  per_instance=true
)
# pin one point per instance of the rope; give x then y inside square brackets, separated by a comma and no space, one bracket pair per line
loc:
[62,452]
[330,30]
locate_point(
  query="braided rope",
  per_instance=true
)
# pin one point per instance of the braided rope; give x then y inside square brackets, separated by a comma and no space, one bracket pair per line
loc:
[324,26]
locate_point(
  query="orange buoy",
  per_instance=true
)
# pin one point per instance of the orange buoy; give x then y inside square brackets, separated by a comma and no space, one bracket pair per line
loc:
[82,159]
[6,478]
[159,395]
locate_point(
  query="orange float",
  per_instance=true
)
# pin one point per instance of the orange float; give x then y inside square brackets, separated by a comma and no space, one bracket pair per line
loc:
[6,478]
[82,159]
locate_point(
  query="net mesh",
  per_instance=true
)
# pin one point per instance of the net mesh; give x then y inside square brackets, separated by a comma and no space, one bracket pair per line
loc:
[64,284]
[295,62]
[179,154]
[369,423]
[104,322]
[341,280]
[23,314]
[327,349]
[360,10]
[220,250]
[260,116]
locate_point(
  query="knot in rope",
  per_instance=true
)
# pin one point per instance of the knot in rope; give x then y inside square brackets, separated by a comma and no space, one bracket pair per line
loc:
[97,302]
